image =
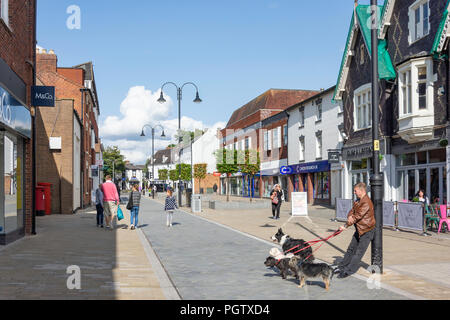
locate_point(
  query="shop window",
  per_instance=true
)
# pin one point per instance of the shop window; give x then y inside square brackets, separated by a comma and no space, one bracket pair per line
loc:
[422,157]
[437,156]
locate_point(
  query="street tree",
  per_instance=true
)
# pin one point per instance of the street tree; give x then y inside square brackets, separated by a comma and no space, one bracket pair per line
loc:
[200,170]
[227,162]
[163,174]
[251,166]
[113,159]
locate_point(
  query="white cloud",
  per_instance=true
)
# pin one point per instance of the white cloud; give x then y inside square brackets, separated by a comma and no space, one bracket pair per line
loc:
[139,108]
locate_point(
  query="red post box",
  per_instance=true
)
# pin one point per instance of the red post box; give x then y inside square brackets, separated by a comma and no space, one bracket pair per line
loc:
[40,201]
[48,196]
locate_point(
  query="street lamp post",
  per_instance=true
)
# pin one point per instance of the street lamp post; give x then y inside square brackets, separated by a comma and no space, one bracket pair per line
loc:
[376,180]
[179,98]
[153,147]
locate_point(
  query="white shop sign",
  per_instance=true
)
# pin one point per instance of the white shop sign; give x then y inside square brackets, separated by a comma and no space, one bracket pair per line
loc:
[299,202]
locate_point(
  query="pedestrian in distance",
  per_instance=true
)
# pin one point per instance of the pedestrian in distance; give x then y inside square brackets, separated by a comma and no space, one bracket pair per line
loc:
[276,195]
[362,216]
[154,191]
[111,201]
[170,206]
[133,206]
[99,206]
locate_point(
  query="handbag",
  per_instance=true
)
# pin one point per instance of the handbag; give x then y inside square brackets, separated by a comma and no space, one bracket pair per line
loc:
[120,214]
[130,202]
[274,199]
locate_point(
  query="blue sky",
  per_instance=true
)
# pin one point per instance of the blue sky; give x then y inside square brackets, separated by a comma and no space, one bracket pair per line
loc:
[233,50]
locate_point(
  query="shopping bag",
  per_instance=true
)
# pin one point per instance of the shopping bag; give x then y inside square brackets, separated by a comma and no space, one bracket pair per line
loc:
[119,214]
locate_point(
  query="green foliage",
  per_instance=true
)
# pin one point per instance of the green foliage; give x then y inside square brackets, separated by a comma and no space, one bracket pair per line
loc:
[200,171]
[252,163]
[186,171]
[110,155]
[227,161]
[163,174]
[173,175]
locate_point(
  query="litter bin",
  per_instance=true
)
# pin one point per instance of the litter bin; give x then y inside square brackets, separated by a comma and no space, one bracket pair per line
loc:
[48,196]
[40,201]
[196,203]
[188,197]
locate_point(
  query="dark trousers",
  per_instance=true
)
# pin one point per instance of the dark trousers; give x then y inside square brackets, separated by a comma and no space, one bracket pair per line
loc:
[276,209]
[356,250]
[99,215]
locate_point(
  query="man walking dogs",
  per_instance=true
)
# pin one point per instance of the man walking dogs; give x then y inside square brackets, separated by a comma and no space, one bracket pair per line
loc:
[110,201]
[362,216]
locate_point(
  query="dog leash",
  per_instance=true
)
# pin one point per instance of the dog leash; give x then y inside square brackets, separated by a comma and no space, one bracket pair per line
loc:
[313,242]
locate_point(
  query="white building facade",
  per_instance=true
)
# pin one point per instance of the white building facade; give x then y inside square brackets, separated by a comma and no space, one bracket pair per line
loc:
[314,133]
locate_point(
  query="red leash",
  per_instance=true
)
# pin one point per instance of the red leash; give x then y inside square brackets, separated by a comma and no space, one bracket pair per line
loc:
[313,242]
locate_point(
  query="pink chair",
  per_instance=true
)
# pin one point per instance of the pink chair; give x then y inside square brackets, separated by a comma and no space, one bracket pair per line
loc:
[444,218]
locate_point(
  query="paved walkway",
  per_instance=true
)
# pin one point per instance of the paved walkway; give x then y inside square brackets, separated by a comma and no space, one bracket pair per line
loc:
[113,264]
[412,263]
[209,261]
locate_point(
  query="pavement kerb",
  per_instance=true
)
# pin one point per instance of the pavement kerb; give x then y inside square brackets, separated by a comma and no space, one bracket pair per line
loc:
[166,283]
[357,276]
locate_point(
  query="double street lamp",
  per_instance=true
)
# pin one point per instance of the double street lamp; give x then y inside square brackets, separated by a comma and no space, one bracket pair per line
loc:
[179,98]
[153,145]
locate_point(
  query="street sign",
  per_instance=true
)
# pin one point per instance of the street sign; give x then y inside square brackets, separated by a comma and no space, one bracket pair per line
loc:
[333,156]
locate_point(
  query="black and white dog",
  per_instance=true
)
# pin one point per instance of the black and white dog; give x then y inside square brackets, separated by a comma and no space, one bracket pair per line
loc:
[288,243]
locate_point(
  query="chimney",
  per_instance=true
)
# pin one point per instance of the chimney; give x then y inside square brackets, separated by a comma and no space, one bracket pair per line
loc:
[46,61]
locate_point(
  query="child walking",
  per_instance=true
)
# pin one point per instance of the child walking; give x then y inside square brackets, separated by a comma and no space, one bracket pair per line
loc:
[171,204]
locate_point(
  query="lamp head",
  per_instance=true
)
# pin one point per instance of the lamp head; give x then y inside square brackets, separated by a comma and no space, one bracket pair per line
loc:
[197,99]
[161,98]
[163,135]
[142,134]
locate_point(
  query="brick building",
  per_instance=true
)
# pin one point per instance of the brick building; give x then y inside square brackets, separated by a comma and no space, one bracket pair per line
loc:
[17,59]
[67,135]
[261,125]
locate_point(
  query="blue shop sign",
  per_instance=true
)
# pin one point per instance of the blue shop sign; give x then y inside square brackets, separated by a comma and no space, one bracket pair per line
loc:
[42,96]
[13,114]
[320,166]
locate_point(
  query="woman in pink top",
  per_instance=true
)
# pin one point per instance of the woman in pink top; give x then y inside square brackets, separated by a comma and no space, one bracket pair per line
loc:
[110,202]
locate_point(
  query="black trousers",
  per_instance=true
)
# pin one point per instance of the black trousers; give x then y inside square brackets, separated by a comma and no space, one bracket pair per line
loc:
[276,209]
[99,214]
[355,252]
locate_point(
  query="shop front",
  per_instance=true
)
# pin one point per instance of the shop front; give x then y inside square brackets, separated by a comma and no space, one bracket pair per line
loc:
[314,178]
[421,167]
[15,128]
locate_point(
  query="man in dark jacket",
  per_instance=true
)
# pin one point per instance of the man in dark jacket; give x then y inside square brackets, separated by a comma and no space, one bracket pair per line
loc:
[363,218]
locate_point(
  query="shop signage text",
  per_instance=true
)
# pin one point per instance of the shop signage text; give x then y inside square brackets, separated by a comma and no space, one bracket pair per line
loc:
[13,114]
[43,96]
[320,166]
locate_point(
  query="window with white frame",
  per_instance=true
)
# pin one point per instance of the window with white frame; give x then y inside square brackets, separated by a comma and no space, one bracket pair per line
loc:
[416,87]
[302,117]
[363,107]
[276,138]
[4,11]
[266,140]
[319,112]
[405,93]
[285,135]
[319,145]
[302,148]
[419,20]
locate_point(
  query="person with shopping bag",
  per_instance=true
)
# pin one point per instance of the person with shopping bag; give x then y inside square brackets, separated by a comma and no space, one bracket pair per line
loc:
[133,205]
[277,198]
[111,202]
